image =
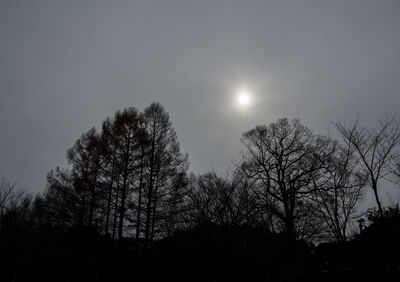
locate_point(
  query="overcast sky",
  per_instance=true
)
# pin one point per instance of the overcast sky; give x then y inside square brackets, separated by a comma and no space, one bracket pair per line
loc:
[67,65]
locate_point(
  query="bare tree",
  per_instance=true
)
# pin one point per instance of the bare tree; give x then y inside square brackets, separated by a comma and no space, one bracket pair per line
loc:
[285,159]
[200,198]
[10,198]
[165,163]
[376,147]
[110,170]
[249,202]
[336,201]
[84,156]
[129,130]
[62,203]
[395,170]
[127,177]
[223,201]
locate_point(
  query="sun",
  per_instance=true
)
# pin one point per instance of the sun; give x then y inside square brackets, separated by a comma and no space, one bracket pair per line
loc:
[243,98]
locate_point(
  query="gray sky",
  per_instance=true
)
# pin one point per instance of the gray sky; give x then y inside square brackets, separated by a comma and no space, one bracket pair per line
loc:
[67,65]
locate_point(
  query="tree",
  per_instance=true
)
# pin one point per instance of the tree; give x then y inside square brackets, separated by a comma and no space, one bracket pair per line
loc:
[9,197]
[220,200]
[174,205]
[209,199]
[376,148]
[84,156]
[286,160]
[164,164]
[11,200]
[129,177]
[249,206]
[62,205]
[130,137]
[110,170]
[336,201]
[395,170]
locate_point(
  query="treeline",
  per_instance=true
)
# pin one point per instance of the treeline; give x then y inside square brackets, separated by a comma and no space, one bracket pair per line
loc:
[126,208]
[130,180]
[305,185]
[125,181]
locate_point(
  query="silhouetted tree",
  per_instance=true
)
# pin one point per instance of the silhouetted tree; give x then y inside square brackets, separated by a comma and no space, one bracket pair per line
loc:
[62,205]
[164,164]
[110,170]
[376,147]
[249,205]
[174,205]
[9,197]
[225,201]
[286,160]
[130,176]
[128,129]
[209,199]
[395,170]
[13,203]
[341,190]
[84,157]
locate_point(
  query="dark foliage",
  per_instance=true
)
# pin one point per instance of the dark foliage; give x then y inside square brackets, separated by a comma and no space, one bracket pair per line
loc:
[207,252]
[372,256]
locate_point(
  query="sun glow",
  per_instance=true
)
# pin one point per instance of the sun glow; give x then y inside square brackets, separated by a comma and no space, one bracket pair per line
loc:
[243,98]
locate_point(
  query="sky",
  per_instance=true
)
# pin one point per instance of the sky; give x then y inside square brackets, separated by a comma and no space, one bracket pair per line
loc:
[67,65]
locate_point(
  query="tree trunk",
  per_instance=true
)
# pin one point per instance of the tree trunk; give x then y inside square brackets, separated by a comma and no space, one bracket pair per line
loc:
[378,202]
[124,189]
[154,211]
[92,198]
[139,201]
[115,210]
[109,194]
[149,197]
